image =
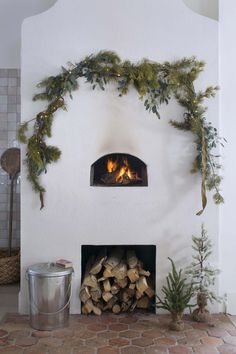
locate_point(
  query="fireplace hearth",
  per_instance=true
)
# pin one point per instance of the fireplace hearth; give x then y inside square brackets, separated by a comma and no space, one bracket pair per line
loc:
[118,170]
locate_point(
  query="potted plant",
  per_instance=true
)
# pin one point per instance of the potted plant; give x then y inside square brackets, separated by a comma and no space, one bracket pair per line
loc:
[177,295]
[202,276]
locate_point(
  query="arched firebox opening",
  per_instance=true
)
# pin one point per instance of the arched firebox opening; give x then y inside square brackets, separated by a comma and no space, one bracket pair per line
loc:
[119,170]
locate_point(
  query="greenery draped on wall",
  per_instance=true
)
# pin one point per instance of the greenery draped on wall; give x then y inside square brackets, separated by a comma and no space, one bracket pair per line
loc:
[155,84]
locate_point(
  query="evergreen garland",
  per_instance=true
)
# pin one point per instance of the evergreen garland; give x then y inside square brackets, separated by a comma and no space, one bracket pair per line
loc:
[155,84]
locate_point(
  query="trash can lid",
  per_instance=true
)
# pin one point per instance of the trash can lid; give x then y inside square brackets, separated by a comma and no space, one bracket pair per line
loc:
[48,270]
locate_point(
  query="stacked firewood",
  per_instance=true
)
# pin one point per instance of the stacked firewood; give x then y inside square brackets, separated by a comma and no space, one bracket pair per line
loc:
[115,282]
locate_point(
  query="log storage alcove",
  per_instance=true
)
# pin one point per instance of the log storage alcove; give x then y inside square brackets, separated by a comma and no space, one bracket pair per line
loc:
[118,278]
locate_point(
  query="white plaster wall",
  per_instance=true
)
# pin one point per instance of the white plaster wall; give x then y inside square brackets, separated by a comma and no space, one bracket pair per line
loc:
[12,13]
[208,8]
[228,128]
[97,123]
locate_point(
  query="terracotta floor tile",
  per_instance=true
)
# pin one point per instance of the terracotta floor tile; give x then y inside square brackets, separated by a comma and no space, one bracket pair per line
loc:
[84,350]
[96,327]
[118,327]
[128,320]
[108,334]
[18,334]
[3,333]
[63,333]
[26,341]
[85,334]
[119,342]
[41,334]
[129,334]
[132,350]
[51,342]
[166,341]
[143,342]
[96,342]
[156,350]
[121,334]
[12,350]
[227,349]
[230,340]
[108,350]
[217,332]
[215,342]
[205,349]
[152,333]
[180,349]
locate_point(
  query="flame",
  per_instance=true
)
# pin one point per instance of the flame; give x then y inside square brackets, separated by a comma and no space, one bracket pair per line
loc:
[122,169]
[111,166]
[121,174]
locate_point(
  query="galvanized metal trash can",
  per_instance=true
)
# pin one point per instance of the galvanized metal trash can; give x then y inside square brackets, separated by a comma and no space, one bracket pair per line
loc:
[49,295]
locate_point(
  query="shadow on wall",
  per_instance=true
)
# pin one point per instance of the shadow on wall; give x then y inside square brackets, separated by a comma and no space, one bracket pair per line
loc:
[208,8]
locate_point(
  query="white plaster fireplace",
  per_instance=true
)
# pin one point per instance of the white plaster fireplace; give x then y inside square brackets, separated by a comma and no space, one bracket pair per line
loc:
[99,123]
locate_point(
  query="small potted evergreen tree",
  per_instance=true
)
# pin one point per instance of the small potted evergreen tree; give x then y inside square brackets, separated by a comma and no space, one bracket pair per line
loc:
[177,295]
[202,276]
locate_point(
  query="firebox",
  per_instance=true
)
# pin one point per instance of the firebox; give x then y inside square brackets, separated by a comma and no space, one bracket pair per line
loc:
[119,170]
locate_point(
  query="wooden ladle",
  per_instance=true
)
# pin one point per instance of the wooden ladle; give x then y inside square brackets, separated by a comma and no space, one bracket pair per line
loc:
[10,162]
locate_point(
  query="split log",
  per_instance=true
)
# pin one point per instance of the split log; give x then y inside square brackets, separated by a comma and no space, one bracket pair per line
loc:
[120,271]
[141,284]
[116,308]
[115,288]
[111,303]
[133,275]
[149,292]
[140,264]
[134,304]
[132,260]
[89,279]
[96,293]
[144,272]
[143,303]
[107,272]
[138,295]
[106,295]
[97,266]
[126,305]
[107,285]
[84,294]
[122,282]
[132,286]
[127,294]
[114,258]
[89,307]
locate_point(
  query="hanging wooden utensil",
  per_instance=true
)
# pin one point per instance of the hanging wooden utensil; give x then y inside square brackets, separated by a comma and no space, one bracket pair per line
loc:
[10,162]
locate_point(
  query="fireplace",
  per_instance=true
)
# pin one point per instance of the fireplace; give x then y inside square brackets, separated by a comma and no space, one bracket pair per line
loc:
[118,170]
[117,278]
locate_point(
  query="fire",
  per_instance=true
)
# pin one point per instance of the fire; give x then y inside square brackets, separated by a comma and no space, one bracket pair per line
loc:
[111,166]
[121,171]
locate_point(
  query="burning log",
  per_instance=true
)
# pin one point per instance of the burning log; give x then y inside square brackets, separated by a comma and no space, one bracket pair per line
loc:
[116,282]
